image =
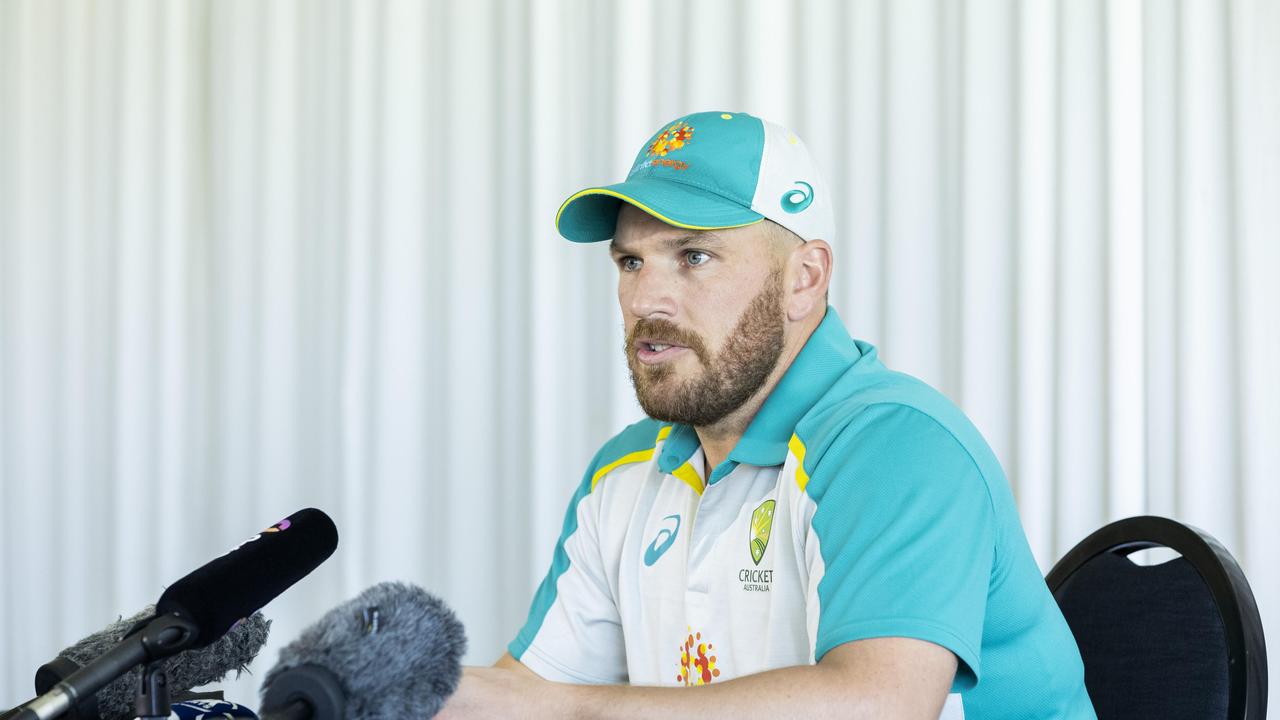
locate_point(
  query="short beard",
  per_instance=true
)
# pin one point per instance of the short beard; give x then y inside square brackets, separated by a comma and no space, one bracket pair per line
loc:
[730,379]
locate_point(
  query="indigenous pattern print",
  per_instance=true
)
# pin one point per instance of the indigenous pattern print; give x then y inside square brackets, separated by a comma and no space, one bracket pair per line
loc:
[696,666]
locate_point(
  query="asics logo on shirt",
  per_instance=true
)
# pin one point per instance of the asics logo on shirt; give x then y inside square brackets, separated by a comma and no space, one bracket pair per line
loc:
[666,537]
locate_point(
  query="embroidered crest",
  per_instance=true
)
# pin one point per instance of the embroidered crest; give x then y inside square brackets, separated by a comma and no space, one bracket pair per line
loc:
[761,526]
[673,138]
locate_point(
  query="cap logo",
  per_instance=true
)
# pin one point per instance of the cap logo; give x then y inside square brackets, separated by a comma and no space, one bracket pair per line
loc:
[673,138]
[797,199]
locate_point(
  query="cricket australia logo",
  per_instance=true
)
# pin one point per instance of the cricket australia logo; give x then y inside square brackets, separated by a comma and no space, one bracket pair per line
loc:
[755,579]
[761,525]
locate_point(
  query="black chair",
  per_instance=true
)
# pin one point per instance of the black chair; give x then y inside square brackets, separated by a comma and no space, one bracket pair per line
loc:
[1181,639]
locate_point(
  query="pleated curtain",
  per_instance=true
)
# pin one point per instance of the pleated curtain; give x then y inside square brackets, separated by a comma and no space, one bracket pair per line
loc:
[259,256]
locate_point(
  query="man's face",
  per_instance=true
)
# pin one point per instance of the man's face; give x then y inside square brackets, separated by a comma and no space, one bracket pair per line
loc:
[703,314]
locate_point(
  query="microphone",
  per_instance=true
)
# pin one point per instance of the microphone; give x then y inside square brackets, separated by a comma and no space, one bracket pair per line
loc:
[197,610]
[393,651]
[188,669]
[256,571]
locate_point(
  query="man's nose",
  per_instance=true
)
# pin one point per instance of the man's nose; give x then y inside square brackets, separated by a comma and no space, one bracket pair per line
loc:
[652,294]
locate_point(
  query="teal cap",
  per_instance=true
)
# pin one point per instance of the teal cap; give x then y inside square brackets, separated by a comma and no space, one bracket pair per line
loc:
[710,171]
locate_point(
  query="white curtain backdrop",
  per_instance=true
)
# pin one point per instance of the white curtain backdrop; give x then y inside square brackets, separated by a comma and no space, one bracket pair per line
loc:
[258,256]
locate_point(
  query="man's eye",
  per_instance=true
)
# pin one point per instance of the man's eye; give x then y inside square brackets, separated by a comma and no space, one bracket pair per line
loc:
[696,257]
[629,264]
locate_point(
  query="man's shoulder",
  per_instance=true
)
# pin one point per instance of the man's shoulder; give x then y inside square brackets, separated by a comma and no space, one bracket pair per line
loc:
[887,413]
[635,443]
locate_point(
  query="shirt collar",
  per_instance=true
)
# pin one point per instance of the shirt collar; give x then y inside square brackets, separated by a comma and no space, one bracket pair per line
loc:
[827,354]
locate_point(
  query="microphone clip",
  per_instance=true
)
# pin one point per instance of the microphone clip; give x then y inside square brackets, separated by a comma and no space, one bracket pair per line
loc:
[163,637]
[153,699]
[167,635]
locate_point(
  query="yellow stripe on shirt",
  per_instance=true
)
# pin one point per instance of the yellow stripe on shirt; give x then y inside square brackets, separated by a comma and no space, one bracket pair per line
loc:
[635,457]
[690,477]
[797,448]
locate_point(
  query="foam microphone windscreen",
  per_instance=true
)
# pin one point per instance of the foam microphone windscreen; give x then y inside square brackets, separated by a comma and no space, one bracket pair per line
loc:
[394,650]
[188,669]
[240,582]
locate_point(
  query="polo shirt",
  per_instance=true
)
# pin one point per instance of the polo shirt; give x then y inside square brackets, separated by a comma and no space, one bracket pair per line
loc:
[859,503]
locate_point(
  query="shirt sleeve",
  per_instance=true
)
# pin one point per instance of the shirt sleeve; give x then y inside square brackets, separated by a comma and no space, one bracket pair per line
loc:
[904,532]
[573,632]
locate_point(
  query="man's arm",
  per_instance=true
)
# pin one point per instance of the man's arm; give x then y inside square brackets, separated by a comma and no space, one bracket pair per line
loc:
[873,678]
[510,663]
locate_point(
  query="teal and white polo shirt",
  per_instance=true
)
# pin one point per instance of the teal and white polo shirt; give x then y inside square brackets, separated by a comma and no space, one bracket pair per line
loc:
[859,503]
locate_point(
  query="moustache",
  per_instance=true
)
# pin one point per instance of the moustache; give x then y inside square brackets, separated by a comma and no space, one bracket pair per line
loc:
[667,333]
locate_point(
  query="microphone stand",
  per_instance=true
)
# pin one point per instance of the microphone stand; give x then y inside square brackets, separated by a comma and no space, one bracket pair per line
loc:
[153,699]
[163,636]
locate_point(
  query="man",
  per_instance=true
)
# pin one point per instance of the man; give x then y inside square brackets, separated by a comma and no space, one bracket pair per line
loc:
[795,529]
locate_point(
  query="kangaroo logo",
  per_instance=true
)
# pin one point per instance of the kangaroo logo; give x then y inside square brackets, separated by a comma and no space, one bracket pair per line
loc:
[797,199]
[665,539]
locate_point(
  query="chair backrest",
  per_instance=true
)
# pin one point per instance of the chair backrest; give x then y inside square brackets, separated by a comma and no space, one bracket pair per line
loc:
[1181,639]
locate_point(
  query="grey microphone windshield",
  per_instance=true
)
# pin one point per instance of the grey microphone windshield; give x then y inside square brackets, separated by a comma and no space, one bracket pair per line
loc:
[394,651]
[186,670]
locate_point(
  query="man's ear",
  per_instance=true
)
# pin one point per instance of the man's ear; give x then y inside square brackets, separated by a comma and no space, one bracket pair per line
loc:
[811,265]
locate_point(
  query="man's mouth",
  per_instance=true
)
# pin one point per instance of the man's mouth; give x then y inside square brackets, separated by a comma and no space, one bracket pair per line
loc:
[651,353]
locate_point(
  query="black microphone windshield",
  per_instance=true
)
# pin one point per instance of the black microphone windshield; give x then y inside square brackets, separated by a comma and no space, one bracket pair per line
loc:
[240,582]
[186,670]
[395,651]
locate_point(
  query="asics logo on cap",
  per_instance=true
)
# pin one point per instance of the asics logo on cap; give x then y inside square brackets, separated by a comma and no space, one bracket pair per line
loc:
[796,199]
